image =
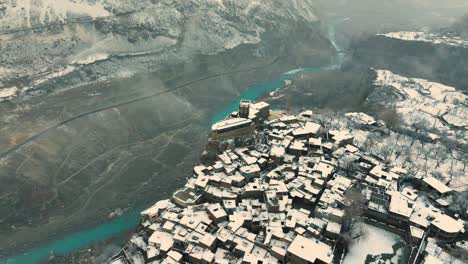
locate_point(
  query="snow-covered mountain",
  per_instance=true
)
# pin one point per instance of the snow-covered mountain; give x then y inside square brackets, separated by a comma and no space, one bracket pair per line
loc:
[47,39]
[31,13]
[436,39]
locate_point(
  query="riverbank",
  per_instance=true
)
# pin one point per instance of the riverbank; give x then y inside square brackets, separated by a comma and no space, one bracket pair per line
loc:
[130,219]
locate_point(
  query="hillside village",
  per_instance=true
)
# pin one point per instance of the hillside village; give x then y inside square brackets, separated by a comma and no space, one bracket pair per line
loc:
[279,188]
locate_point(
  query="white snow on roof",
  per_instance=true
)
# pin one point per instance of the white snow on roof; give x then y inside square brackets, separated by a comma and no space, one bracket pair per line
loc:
[437,185]
[361,117]
[230,123]
[399,205]
[310,250]
[448,224]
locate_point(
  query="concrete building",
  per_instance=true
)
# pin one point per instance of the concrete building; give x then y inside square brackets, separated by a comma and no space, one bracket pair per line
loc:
[436,186]
[260,111]
[244,108]
[305,251]
[238,125]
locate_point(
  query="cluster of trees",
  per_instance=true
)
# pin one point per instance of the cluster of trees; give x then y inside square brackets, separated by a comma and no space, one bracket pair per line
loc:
[459,204]
[357,204]
[391,118]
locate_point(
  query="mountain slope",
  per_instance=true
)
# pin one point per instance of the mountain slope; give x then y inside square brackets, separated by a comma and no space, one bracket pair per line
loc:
[74,176]
[89,41]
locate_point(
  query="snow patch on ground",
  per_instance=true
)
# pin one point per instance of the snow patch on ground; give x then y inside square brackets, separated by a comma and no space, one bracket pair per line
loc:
[7,92]
[53,75]
[292,72]
[429,100]
[91,59]
[25,13]
[4,72]
[419,158]
[427,37]
[376,241]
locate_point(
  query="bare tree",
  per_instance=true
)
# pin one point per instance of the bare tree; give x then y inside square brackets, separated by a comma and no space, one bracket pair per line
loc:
[459,204]
[392,118]
[398,151]
[368,144]
[386,152]
[356,203]
[440,155]
[425,169]
[348,165]
[437,175]
[464,159]
[420,125]
[408,159]
[451,171]
[427,152]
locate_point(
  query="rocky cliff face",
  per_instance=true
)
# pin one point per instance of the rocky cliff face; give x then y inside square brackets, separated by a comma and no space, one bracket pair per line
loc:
[43,41]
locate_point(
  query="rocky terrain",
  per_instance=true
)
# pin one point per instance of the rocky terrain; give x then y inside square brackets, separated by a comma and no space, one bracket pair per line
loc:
[436,56]
[44,42]
[75,175]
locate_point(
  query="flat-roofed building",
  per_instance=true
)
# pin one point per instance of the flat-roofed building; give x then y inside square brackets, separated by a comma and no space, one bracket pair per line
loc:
[400,209]
[298,148]
[261,110]
[446,227]
[232,127]
[308,130]
[416,234]
[161,240]
[333,230]
[186,197]
[152,213]
[250,171]
[217,213]
[244,108]
[308,250]
[437,186]
[362,118]
[341,137]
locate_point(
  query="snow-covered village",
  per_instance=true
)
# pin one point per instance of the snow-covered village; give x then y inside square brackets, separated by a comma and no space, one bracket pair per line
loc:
[276,187]
[233,132]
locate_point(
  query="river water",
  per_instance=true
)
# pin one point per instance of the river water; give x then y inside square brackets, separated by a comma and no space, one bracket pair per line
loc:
[129,220]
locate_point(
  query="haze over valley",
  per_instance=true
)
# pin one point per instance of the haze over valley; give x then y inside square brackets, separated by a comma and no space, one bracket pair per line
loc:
[106,105]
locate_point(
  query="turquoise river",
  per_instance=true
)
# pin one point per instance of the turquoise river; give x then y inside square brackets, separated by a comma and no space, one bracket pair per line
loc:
[129,220]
